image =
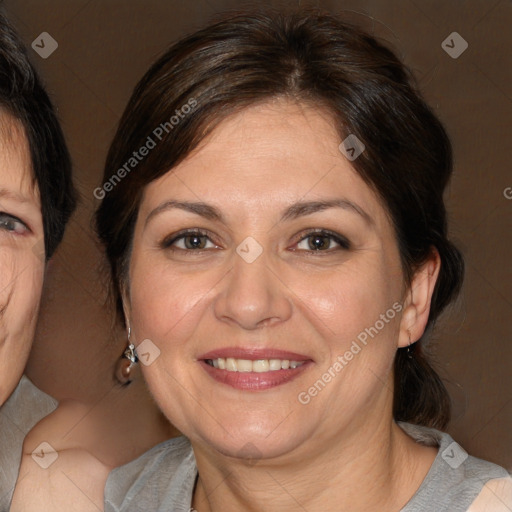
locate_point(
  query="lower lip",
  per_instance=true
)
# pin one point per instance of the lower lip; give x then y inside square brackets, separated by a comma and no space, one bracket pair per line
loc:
[253,381]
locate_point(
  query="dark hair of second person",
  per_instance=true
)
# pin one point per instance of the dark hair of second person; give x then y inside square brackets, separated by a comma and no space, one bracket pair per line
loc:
[23,97]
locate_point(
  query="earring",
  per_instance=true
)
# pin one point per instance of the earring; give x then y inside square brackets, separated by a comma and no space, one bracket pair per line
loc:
[126,363]
[409,349]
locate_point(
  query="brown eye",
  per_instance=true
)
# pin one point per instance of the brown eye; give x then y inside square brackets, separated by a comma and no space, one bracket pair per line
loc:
[189,241]
[322,242]
[195,241]
[319,242]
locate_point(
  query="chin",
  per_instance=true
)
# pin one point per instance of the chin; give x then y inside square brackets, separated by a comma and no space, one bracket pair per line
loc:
[253,441]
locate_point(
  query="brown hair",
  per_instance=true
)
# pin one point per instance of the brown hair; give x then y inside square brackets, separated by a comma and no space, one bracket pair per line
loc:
[313,57]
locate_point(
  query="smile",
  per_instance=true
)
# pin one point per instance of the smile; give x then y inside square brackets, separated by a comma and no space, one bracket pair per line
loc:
[248,369]
[231,364]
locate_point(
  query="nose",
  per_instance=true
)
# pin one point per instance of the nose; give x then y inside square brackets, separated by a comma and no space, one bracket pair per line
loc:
[252,296]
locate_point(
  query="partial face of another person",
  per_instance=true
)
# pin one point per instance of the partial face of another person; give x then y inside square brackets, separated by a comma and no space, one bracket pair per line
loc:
[21,253]
[264,252]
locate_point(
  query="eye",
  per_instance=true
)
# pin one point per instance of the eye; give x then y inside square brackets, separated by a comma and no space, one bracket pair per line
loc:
[189,241]
[322,241]
[12,224]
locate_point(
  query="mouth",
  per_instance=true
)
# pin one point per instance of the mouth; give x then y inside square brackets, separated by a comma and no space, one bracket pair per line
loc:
[231,364]
[254,370]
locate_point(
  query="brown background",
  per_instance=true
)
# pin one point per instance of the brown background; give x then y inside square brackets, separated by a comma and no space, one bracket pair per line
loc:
[104,48]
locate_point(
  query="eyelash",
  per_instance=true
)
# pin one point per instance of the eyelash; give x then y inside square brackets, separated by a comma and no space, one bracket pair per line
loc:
[181,235]
[343,243]
[340,240]
[6,218]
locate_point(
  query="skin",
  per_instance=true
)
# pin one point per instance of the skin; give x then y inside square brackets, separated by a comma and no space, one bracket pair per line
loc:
[250,446]
[21,254]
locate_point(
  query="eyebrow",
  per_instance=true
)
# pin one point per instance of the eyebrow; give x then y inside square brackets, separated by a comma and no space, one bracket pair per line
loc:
[202,209]
[309,207]
[294,211]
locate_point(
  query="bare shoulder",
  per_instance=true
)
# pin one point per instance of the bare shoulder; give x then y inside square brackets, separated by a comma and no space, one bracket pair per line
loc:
[496,496]
[56,470]
[58,425]
[52,480]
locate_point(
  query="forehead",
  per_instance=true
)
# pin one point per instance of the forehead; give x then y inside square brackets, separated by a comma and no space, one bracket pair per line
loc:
[16,176]
[279,130]
[267,156]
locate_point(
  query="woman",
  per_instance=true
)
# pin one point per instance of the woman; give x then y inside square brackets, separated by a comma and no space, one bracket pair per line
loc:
[273,215]
[36,201]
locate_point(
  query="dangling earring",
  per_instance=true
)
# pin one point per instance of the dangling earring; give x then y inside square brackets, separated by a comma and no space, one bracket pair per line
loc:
[126,362]
[409,350]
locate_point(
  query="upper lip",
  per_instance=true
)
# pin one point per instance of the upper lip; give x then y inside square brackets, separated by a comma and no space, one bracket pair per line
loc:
[253,354]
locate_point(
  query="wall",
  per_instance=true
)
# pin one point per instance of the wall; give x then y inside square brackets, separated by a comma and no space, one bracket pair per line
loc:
[104,47]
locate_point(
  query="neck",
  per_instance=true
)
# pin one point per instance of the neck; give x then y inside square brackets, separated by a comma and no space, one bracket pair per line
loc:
[374,467]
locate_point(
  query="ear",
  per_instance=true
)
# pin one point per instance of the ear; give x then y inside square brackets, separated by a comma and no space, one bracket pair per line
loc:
[417,301]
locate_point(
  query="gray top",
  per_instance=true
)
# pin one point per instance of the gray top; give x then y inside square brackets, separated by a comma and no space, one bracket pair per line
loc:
[162,479]
[25,407]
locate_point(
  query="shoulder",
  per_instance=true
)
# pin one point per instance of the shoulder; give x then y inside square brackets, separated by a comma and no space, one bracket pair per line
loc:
[53,480]
[57,468]
[456,480]
[495,496]
[162,477]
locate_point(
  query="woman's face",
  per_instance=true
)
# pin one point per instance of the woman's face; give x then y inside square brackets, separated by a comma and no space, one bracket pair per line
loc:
[21,254]
[265,252]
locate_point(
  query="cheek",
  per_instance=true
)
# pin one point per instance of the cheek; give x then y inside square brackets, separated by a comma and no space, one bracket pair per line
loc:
[355,310]
[21,283]
[348,300]
[164,303]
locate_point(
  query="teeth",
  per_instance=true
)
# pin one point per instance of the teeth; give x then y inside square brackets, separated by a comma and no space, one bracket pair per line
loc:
[275,364]
[231,365]
[244,365]
[258,366]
